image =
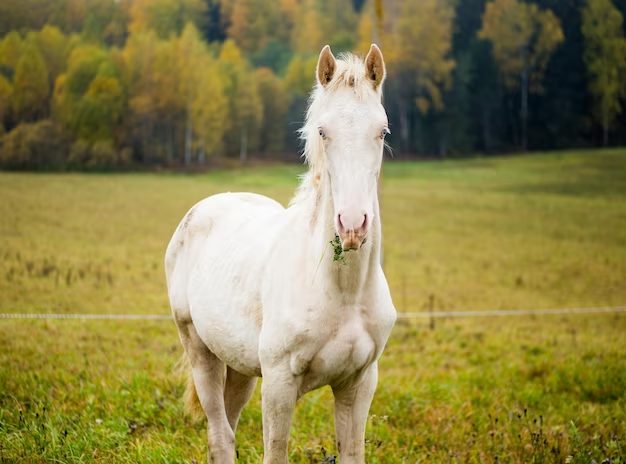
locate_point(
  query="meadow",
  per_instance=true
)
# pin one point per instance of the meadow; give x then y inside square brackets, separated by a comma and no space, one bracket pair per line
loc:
[535,231]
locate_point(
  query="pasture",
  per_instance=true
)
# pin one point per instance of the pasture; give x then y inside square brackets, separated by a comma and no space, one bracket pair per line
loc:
[535,231]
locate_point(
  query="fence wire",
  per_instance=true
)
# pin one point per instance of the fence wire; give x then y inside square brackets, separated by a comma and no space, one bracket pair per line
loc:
[401,315]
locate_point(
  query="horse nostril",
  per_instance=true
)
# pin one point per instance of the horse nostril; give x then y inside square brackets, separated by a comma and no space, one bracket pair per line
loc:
[364,224]
[341,227]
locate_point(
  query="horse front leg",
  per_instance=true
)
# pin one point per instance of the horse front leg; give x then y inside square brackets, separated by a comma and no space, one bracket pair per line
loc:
[279,394]
[352,404]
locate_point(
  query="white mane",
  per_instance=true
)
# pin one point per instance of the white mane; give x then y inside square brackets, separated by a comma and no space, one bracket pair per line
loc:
[350,73]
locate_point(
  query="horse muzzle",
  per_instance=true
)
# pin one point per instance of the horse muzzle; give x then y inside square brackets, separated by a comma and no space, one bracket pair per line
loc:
[352,240]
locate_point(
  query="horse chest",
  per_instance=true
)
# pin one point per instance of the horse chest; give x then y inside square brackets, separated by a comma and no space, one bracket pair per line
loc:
[338,352]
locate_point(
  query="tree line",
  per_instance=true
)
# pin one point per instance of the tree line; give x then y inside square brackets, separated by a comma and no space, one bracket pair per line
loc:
[106,83]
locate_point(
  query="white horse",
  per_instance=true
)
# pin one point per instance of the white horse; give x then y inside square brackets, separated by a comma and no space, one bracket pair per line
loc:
[294,295]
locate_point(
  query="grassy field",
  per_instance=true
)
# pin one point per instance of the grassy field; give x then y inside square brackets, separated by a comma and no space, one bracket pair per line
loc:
[538,231]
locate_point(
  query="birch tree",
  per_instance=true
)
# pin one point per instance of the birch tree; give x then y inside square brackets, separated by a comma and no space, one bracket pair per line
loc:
[523,38]
[605,58]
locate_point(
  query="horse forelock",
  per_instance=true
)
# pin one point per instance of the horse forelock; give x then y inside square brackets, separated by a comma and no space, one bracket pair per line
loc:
[350,73]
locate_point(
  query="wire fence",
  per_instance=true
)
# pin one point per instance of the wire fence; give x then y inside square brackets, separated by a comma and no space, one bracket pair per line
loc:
[401,315]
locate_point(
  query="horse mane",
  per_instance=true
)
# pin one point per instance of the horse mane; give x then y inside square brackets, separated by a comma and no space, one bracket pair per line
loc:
[349,73]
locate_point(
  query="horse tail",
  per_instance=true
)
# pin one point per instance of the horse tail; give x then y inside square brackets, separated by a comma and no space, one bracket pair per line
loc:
[191,402]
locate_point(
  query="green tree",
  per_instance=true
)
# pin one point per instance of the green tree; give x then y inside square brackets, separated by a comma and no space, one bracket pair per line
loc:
[55,49]
[10,51]
[523,38]
[275,101]
[31,88]
[300,75]
[605,58]
[89,99]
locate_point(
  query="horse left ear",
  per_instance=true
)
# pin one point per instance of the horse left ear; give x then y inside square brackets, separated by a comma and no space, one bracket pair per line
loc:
[326,65]
[375,66]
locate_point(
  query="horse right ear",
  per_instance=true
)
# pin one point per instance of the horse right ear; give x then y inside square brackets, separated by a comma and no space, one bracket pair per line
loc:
[326,66]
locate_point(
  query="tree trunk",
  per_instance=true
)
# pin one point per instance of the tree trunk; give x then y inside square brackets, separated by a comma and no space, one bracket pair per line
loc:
[202,155]
[605,128]
[188,143]
[170,144]
[404,127]
[243,146]
[486,126]
[524,109]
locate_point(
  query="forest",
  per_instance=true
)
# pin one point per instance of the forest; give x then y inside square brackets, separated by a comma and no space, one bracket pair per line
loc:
[108,84]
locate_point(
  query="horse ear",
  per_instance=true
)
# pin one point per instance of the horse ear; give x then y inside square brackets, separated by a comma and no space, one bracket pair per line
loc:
[326,66]
[375,66]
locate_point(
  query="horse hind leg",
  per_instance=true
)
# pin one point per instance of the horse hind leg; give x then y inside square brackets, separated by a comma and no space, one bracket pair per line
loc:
[239,389]
[209,380]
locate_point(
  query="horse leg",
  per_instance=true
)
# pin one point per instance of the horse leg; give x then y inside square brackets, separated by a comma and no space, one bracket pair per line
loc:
[352,403]
[239,389]
[279,394]
[209,377]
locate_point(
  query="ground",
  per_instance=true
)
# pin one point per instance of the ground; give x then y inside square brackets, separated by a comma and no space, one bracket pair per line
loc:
[534,231]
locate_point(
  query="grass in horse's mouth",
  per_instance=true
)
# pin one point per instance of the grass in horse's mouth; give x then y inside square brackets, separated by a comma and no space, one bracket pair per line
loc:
[338,253]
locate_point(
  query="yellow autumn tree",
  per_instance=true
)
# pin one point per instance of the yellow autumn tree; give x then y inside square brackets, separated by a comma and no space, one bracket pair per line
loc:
[421,47]
[523,38]
[376,25]
[320,22]
[164,17]
[154,103]
[5,100]
[245,107]
[202,96]
[605,57]
[251,29]
[416,39]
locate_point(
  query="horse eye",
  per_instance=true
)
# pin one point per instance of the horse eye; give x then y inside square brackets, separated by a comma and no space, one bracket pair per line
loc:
[384,132]
[322,133]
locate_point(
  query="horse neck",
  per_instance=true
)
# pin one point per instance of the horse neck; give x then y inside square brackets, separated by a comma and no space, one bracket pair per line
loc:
[351,275]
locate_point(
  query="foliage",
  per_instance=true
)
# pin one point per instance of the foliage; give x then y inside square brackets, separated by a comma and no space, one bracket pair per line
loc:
[528,389]
[5,97]
[424,22]
[98,155]
[30,85]
[33,146]
[275,100]
[183,84]
[202,93]
[522,37]
[245,107]
[89,98]
[164,17]
[605,57]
